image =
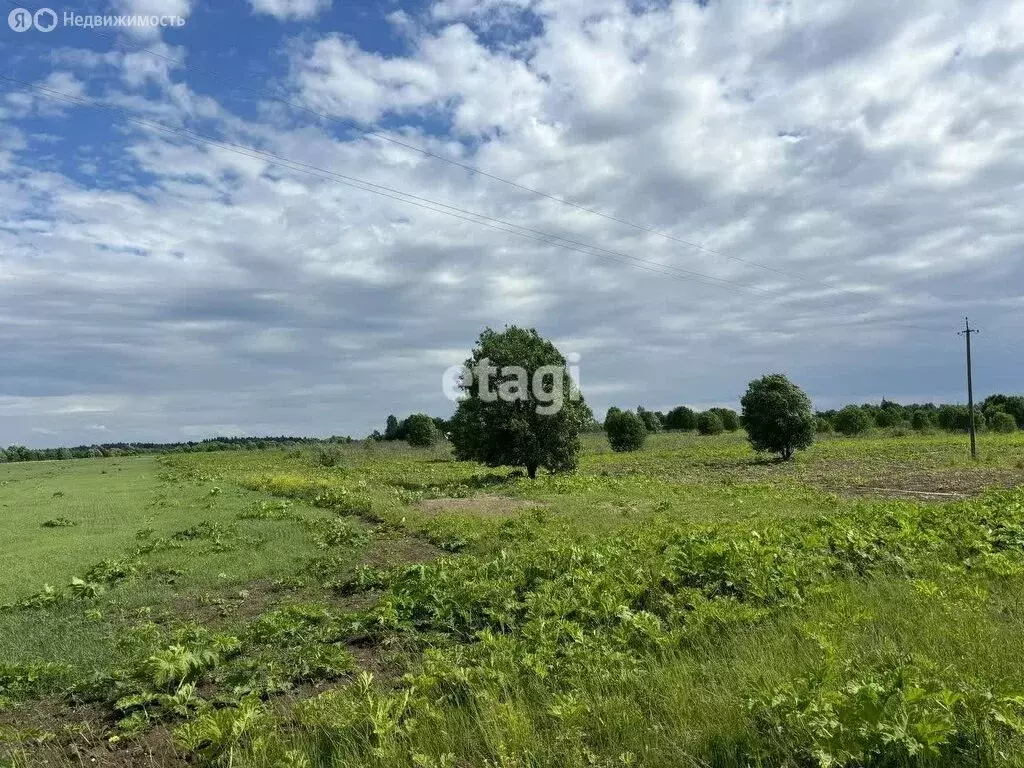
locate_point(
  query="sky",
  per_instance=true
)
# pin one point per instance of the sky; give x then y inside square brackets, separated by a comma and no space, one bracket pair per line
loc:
[687,195]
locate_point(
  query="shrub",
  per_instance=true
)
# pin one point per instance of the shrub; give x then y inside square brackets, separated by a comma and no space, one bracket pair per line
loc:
[328,456]
[730,419]
[777,416]
[957,418]
[650,419]
[921,420]
[681,418]
[421,431]
[626,431]
[1011,404]
[710,423]
[853,420]
[1001,421]
[889,414]
[823,426]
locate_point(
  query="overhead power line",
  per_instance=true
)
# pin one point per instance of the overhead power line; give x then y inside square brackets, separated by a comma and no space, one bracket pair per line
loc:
[444,208]
[401,196]
[353,125]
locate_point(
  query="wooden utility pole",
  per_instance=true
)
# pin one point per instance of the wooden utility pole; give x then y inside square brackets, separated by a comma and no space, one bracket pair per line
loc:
[970,384]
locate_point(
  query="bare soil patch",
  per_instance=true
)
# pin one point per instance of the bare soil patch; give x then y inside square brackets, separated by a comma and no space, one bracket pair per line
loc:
[56,733]
[930,485]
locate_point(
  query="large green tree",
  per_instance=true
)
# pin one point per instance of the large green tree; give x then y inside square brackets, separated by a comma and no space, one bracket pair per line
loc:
[777,416]
[530,419]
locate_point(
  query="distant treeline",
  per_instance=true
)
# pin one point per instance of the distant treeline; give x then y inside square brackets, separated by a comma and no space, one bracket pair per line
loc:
[997,413]
[411,428]
[21,453]
[683,419]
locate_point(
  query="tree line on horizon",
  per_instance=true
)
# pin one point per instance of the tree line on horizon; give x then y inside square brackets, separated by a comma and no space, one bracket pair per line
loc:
[997,413]
[16,453]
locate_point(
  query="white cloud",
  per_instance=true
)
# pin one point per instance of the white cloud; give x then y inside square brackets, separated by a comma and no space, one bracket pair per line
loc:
[285,10]
[147,8]
[452,70]
[339,77]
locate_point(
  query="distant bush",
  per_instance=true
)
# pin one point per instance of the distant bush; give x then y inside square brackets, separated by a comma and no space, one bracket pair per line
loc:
[823,426]
[681,418]
[710,423]
[853,420]
[730,419]
[1000,421]
[889,415]
[1011,404]
[394,429]
[921,420]
[328,456]
[650,419]
[421,431]
[957,418]
[626,431]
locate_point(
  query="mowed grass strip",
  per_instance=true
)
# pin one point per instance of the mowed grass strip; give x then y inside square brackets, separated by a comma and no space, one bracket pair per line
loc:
[104,501]
[113,506]
[189,549]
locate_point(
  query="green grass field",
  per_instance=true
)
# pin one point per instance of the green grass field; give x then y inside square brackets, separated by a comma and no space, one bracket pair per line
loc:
[687,605]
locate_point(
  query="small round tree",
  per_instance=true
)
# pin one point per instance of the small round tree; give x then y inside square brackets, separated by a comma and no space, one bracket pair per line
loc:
[626,431]
[681,418]
[710,423]
[823,426]
[730,419]
[853,420]
[421,431]
[650,419]
[1000,421]
[518,425]
[777,416]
